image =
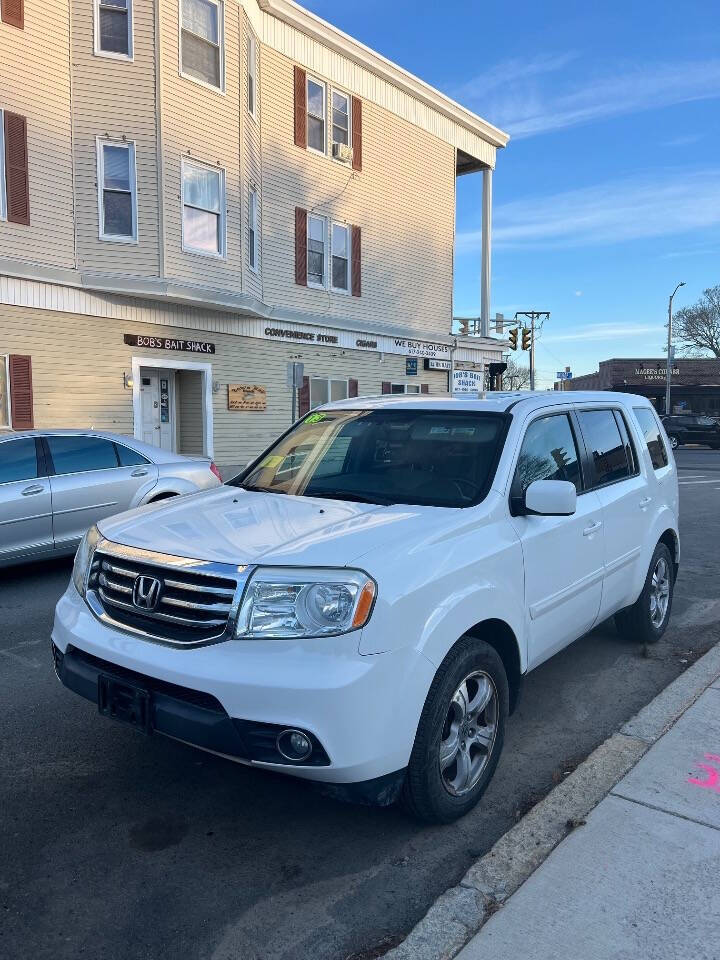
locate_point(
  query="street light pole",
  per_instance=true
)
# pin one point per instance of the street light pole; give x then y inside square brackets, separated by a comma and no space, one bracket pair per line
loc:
[668,365]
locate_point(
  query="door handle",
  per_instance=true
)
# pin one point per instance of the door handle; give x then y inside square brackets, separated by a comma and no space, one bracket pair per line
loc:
[139,473]
[644,502]
[592,528]
[33,489]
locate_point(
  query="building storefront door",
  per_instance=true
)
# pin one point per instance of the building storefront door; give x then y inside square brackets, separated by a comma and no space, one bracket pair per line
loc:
[158,407]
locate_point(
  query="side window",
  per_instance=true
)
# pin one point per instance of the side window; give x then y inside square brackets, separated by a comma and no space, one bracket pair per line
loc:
[627,442]
[81,454]
[129,458]
[113,27]
[18,460]
[605,445]
[653,437]
[201,41]
[315,115]
[548,452]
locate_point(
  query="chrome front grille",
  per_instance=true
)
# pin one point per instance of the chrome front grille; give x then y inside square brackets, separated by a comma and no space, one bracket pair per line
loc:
[170,599]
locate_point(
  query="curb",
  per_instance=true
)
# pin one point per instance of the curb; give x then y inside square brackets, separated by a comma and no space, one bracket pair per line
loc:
[460,912]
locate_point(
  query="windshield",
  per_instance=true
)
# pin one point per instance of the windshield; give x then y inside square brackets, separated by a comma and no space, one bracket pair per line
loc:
[431,457]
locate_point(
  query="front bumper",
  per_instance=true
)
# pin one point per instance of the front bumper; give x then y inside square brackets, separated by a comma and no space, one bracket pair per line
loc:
[360,711]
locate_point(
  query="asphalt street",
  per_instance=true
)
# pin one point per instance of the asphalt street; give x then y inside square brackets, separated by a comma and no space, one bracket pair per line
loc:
[124,847]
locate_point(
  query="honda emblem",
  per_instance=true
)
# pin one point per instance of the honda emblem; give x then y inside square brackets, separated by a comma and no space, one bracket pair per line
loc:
[146,592]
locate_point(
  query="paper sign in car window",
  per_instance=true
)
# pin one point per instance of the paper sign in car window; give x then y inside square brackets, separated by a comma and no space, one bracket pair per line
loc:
[273,461]
[315,418]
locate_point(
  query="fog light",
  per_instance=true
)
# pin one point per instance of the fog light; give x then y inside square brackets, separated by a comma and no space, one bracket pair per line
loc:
[294,745]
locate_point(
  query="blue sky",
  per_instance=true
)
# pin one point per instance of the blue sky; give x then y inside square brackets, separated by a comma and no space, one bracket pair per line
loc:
[608,193]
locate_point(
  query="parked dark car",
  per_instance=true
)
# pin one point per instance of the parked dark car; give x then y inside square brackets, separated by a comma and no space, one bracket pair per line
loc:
[689,428]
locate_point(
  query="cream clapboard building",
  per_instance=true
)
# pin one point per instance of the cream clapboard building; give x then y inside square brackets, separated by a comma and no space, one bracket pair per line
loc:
[194,193]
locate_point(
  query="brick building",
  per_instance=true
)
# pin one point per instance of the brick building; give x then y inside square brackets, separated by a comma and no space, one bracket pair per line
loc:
[694,384]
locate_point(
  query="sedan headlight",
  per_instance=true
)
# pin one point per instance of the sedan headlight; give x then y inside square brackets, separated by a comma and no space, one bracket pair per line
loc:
[284,602]
[84,558]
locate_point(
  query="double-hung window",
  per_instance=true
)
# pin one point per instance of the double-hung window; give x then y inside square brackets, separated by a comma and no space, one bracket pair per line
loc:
[404,388]
[315,115]
[340,255]
[252,76]
[340,118]
[201,41]
[315,251]
[325,390]
[117,192]
[113,28]
[253,229]
[203,218]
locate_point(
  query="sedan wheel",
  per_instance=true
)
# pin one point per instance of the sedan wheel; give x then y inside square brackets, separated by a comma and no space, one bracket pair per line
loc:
[659,592]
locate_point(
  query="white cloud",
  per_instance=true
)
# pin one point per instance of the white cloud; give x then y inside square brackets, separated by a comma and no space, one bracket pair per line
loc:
[520,105]
[578,293]
[665,203]
[602,331]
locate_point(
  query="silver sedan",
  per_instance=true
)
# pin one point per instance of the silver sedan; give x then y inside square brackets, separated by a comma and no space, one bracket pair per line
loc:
[54,484]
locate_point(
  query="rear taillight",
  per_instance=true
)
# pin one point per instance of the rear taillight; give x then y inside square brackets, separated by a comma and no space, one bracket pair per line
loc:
[214,469]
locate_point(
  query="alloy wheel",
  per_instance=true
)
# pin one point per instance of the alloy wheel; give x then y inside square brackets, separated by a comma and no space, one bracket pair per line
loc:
[468,733]
[659,592]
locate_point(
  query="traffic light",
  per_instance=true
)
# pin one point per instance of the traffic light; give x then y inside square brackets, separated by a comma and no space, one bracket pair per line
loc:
[513,338]
[526,338]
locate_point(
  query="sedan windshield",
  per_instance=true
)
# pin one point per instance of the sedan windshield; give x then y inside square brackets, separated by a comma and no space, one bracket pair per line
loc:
[430,457]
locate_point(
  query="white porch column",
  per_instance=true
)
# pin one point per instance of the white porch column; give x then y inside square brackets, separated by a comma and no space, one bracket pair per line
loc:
[486,253]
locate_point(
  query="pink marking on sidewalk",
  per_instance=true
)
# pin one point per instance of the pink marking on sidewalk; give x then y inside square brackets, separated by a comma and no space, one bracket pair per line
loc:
[713,773]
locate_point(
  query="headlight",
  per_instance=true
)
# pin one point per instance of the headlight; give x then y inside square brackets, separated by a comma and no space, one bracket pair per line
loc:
[83,559]
[284,602]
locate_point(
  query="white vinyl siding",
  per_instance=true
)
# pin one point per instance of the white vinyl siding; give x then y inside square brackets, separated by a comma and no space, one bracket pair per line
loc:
[252,91]
[326,389]
[253,230]
[114,29]
[117,191]
[3,195]
[341,118]
[340,258]
[316,115]
[201,41]
[203,215]
[316,245]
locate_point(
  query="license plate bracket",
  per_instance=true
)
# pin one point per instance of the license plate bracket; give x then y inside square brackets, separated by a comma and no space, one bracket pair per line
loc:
[125,702]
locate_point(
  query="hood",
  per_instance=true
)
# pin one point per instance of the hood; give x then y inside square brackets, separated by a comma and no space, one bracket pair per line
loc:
[230,525]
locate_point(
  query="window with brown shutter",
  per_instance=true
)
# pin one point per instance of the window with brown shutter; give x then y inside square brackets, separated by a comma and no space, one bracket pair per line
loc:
[357,133]
[12,12]
[356,256]
[16,169]
[301,246]
[21,392]
[300,108]
[386,386]
[304,397]
[352,388]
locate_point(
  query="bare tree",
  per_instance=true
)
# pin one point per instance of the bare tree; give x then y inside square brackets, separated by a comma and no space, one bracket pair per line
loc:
[514,378]
[697,328]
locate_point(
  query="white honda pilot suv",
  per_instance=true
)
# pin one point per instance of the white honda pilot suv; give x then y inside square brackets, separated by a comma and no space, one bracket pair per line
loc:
[359,607]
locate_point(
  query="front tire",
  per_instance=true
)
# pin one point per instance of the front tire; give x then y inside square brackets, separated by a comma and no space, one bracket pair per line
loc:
[460,735]
[647,619]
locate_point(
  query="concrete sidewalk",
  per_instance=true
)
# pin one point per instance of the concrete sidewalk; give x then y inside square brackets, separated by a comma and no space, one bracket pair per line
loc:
[641,878]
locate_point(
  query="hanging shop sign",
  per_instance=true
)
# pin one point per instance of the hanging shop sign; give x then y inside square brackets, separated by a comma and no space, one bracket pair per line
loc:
[430,364]
[169,343]
[349,340]
[468,382]
[247,396]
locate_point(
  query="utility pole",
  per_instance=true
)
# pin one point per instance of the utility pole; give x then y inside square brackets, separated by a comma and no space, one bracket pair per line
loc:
[668,365]
[532,316]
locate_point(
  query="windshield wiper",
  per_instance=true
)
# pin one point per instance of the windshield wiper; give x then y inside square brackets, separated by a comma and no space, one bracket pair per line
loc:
[254,489]
[351,496]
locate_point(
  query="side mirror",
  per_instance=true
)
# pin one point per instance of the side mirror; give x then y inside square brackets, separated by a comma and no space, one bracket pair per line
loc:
[551,498]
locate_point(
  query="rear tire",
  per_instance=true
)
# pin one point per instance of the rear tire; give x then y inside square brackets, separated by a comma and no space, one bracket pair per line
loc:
[647,619]
[464,718]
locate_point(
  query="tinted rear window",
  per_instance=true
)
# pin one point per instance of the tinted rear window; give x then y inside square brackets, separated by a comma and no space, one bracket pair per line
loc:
[81,454]
[605,445]
[651,431]
[18,460]
[129,457]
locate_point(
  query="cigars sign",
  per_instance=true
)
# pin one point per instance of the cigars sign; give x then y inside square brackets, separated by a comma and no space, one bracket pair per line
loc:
[169,343]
